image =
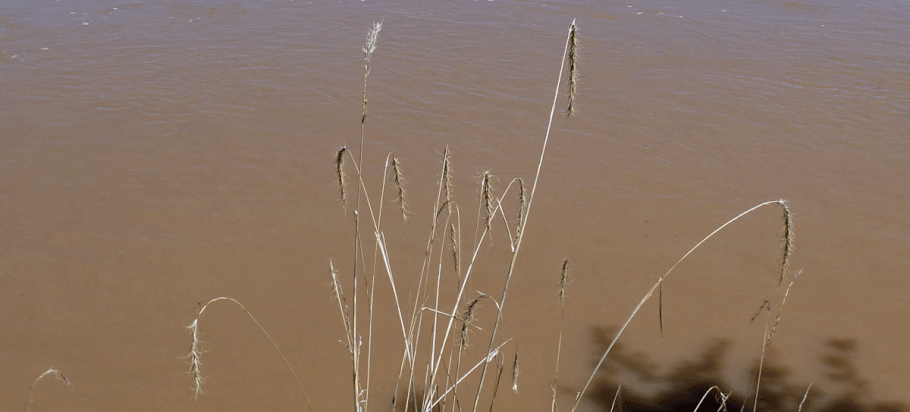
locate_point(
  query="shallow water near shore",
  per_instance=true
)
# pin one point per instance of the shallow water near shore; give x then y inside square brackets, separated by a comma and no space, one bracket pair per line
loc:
[155,155]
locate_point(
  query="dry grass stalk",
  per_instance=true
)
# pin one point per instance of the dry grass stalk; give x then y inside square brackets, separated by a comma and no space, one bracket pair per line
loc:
[515,373]
[522,208]
[788,240]
[398,178]
[615,398]
[766,305]
[195,350]
[572,60]
[761,363]
[563,283]
[805,395]
[338,295]
[703,397]
[486,199]
[342,178]
[500,366]
[782,303]
[57,374]
[494,354]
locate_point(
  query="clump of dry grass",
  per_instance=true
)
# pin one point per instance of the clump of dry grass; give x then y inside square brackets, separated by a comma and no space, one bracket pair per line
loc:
[439,337]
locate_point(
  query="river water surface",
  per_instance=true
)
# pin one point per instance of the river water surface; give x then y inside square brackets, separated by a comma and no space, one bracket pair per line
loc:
[157,154]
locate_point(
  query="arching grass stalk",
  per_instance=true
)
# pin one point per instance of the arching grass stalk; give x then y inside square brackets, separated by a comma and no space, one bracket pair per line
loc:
[51,371]
[660,282]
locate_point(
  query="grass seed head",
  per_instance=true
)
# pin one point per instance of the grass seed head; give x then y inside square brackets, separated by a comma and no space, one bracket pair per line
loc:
[398,179]
[572,60]
[788,240]
[341,176]
[486,196]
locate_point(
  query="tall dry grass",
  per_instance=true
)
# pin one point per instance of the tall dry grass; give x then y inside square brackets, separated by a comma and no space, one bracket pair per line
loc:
[438,352]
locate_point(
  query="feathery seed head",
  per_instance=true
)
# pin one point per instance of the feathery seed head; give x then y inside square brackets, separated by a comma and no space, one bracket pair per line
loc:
[372,36]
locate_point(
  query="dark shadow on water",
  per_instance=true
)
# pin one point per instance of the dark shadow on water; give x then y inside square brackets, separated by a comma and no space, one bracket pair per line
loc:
[646,388]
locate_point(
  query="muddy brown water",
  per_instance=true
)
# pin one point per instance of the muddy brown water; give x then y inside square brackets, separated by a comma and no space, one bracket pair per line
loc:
[154,155]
